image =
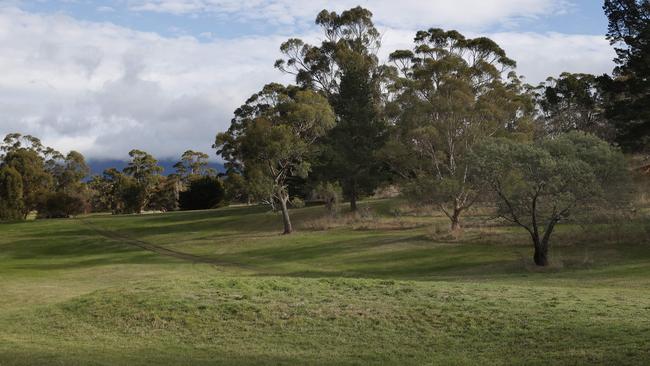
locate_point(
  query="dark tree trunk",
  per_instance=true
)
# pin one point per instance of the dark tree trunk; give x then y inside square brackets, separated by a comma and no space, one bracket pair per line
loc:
[353,198]
[455,220]
[541,255]
[288,229]
[541,244]
[353,203]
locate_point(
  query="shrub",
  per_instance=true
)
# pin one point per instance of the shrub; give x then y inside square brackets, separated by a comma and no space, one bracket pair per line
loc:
[297,202]
[63,205]
[203,193]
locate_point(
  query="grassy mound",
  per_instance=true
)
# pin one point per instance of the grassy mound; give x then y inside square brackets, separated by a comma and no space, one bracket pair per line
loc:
[341,322]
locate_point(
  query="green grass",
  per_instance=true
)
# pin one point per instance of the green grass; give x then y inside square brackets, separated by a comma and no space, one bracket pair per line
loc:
[381,290]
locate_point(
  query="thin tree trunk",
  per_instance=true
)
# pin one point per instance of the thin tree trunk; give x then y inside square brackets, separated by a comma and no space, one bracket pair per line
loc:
[288,229]
[353,198]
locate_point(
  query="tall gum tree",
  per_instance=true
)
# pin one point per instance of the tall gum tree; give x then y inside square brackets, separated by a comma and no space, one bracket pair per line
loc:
[345,68]
[448,94]
[272,140]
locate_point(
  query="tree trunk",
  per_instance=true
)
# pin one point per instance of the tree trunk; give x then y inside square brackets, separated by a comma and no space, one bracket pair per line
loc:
[455,221]
[541,255]
[353,198]
[288,229]
[541,249]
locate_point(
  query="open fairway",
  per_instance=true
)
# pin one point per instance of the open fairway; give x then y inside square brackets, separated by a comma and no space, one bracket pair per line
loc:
[222,287]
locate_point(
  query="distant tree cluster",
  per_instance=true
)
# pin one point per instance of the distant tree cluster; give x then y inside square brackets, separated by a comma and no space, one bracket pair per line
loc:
[141,186]
[40,180]
[36,178]
[448,121]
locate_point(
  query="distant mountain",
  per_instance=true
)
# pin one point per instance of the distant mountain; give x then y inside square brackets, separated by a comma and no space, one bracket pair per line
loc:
[98,166]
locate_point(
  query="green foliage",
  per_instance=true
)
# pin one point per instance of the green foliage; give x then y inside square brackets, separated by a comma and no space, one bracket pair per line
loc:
[11,194]
[165,194]
[192,164]
[36,180]
[63,205]
[329,193]
[297,202]
[627,92]
[236,188]
[345,68]
[271,140]
[118,192]
[447,96]
[145,171]
[539,185]
[203,193]
[572,102]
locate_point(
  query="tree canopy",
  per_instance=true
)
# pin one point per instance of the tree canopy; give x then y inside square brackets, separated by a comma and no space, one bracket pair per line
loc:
[536,186]
[628,90]
[448,95]
[271,138]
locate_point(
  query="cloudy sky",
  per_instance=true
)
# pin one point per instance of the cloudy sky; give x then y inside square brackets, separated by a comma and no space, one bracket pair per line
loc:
[103,77]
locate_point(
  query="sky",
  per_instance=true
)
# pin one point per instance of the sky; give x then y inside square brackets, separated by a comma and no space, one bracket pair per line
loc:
[164,76]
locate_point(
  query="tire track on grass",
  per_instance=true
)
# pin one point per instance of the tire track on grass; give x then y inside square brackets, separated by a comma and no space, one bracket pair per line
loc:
[158,249]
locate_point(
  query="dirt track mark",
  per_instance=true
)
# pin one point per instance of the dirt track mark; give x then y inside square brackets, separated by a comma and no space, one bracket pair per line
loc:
[123,238]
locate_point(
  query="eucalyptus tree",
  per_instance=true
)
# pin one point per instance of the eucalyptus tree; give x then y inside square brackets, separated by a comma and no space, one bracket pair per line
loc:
[449,94]
[34,162]
[144,169]
[11,194]
[193,163]
[572,102]
[537,186]
[345,68]
[272,140]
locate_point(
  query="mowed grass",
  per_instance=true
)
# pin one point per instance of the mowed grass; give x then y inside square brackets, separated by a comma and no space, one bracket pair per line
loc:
[389,288]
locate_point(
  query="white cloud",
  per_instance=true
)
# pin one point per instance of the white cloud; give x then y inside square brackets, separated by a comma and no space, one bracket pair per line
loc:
[104,89]
[414,13]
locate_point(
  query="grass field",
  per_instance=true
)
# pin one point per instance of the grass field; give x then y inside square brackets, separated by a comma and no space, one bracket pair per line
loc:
[222,287]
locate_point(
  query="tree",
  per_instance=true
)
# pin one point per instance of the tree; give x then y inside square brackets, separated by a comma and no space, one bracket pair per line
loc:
[345,69]
[628,91]
[193,163]
[165,194]
[144,169]
[11,194]
[69,195]
[34,163]
[540,185]
[271,140]
[69,174]
[117,192]
[203,193]
[448,95]
[572,102]
[36,181]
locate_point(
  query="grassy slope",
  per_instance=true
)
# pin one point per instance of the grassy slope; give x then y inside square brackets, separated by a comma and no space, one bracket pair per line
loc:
[380,291]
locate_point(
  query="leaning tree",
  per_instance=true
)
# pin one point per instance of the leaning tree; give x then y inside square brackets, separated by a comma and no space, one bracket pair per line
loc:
[271,141]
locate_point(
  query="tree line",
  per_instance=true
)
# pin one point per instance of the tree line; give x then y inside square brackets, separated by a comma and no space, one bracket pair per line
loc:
[448,121]
[38,179]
